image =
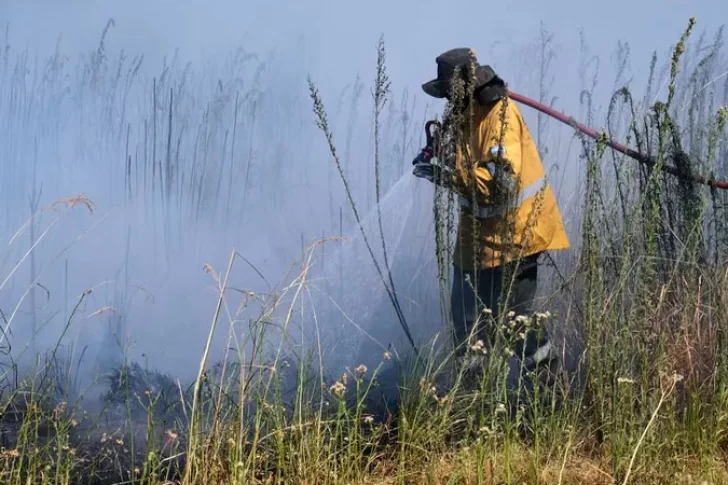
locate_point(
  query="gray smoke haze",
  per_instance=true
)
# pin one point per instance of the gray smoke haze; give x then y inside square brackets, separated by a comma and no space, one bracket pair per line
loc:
[244,165]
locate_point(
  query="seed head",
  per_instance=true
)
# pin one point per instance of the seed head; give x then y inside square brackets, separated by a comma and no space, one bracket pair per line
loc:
[477,347]
[338,389]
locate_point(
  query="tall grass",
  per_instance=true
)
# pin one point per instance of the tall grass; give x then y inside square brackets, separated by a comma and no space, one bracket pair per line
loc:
[644,303]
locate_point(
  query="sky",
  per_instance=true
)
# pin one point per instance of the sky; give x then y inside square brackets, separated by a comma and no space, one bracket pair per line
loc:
[337,39]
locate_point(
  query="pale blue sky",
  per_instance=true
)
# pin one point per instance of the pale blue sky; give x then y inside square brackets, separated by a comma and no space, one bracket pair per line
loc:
[340,36]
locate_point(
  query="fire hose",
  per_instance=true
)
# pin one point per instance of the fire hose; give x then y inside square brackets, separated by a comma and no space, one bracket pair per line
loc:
[428,152]
[642,158]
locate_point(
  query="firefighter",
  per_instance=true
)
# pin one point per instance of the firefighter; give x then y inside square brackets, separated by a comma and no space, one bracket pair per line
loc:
[508,213]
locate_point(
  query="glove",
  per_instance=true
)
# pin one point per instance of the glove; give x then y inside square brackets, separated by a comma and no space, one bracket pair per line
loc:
[425,171]
[423,168]
[430,171]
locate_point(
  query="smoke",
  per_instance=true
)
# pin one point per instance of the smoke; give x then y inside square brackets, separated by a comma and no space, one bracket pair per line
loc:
[182,162]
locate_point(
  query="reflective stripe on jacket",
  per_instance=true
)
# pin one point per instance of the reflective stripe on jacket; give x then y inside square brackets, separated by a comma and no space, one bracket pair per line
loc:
[500,138]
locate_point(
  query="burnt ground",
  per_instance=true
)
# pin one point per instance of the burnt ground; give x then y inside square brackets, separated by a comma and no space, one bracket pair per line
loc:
[141,414]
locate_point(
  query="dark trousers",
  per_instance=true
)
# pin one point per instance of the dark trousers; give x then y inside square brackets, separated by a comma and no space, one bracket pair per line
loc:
[520,287]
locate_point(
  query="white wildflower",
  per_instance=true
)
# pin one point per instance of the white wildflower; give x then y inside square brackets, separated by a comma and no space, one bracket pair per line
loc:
[338,389]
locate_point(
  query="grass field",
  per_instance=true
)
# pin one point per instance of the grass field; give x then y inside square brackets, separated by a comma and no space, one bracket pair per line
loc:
[639,304]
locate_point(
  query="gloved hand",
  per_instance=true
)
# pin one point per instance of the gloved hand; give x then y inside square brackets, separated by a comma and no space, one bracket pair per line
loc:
[430,171]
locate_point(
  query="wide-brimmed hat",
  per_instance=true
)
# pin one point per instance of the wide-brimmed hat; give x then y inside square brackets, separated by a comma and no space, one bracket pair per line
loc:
[457,61]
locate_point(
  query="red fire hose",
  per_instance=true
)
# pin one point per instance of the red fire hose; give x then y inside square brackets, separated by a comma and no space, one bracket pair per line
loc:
[644,159]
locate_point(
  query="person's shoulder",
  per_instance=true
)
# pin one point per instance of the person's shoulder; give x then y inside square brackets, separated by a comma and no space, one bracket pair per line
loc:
[497,108]
[513,109]
[505,110]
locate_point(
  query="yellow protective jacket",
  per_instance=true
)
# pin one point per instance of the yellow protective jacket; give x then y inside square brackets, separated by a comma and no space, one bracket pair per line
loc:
[499,135]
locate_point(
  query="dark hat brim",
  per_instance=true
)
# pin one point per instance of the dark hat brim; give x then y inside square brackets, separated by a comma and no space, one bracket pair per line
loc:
[435,88]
